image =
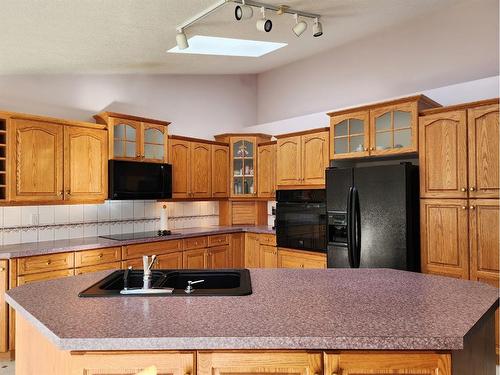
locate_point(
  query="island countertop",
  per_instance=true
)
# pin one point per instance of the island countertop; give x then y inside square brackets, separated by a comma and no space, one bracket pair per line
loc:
[333,309]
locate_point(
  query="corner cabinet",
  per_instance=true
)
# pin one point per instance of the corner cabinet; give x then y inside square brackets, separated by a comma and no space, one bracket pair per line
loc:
[382,129]
[135,138]
[302,159]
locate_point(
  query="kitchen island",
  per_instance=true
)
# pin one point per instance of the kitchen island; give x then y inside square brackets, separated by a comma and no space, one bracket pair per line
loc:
[335,321]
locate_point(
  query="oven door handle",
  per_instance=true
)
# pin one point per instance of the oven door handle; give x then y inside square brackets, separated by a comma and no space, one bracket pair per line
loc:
[350,238]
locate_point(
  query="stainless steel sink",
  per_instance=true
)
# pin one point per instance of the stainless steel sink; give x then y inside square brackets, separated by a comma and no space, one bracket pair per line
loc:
[234,282]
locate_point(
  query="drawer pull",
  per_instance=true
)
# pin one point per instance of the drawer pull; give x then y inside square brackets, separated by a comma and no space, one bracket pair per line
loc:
[48,262]
[472,189]
[472,207]
[463,189]
[2,269]
[100,256]
[464,208]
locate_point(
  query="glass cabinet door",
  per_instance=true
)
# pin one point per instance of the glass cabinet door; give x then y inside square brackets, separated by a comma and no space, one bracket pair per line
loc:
[154,143]
[349,135]
[126,140]
[394,129]
[243,154]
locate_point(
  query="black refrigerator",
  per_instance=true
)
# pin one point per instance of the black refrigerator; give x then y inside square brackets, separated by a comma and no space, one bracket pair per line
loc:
[373,218]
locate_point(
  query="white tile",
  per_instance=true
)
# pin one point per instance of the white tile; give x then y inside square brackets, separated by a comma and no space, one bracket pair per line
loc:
[1,237]
[149,210]
[61,214]
[270,220]
[170,209]
[90,213]
[115,210]
[89,230]
[1,217]
[29,216]
[103,211]
[190,208]
[61,233]
[157,225]
[76,214]
[149,226]
[29,235]
[115,228]
[139,227]
[45,215]
[216,208]
[139,210]
[102,229]
[11,217]
[45,234]
[75,231]
[127,227]
[127,210]
[11,237]
[178,209]
[214,220]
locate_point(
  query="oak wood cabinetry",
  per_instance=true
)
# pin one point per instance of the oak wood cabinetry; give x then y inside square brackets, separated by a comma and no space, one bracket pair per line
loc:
[290,258]
[246,212]
[220,171]
[252,250]
[302,158]
[4,310]
[381,129]
[135,138]
[266,174]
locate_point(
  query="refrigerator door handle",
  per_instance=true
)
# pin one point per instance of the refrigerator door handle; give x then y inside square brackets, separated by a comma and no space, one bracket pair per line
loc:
[350,232]
[356,229]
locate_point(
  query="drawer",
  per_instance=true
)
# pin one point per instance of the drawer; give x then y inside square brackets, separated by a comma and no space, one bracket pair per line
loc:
[267,239]
[27,279]
[195,243]
[98,267]
[218,240]
[97,256]
[150,248]
[45,263]
[300,259]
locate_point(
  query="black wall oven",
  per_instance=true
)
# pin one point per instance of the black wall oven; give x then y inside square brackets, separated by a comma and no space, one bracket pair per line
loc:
[301,219]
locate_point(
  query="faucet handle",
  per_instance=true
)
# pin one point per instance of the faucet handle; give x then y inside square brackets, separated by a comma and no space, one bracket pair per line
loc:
[147,265]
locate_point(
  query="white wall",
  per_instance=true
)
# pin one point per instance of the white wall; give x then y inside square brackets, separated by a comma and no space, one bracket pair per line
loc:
[458,44]
[198,106]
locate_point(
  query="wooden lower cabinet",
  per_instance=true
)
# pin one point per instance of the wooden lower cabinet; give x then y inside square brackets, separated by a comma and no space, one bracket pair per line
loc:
[44,276]
[252,245]
[169,261]
[98,267]
[194,259]
[268,256]
[288,258]
[219,257]
[237,243]
[4,309]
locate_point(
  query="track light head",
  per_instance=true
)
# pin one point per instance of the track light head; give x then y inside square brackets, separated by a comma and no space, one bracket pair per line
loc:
[299,27]
[317,28]
[243,12]
[264,24]
[181,39]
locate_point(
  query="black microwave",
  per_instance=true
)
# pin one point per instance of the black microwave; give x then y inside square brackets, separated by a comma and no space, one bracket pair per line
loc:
[137,180]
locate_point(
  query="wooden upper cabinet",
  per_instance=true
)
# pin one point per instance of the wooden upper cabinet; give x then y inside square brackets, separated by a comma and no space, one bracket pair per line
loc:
[266,179]
[201,170]
[180,158]
[154,143]
[289,161]
[394,129]
[126,139]
[243,166]
[36,161]
[220,171]
[443,155]
[85,164]
[484,134]
[350,135]
[315,157]
[444,237]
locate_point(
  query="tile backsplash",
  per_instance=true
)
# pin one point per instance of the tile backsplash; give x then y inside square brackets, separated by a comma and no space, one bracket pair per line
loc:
[46,223]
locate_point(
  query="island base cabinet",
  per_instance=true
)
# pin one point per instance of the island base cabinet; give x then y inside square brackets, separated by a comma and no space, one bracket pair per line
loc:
[388,363]
[257,363]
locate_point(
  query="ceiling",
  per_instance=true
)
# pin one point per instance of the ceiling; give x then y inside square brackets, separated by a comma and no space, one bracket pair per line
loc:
[131,36]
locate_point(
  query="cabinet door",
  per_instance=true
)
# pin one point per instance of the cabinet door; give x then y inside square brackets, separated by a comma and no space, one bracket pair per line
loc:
[85,164]
[4,285]
[289,166]
[201,170]
[125,139]
[393,129]
[247,363]
[27,279]
[388,363]
[443,155]
[266,178]
[172,261]
[252,250]
[37,161]
[243,166]
[314,158]
[238,250]
[444,237]
[98,267]
[154,145]
[300,259]
[268,256]
[180,158]
[220,171]
[484,134]
[194,259]
[350,135]
[219,257]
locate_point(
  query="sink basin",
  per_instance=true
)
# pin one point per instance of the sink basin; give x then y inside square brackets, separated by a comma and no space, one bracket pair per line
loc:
[234,282]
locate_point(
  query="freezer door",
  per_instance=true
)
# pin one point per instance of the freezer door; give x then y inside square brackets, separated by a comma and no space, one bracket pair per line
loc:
[338,182]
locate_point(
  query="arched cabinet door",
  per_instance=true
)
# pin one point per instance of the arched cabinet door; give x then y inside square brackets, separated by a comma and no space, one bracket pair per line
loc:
[266,178]
[243,166]
[126,139]
[289,166]
[154,143]
[201,170]
[315,158]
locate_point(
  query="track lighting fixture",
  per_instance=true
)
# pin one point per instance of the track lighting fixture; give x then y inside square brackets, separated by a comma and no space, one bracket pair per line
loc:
[264,24]
[243,11]
[181,39]
[299,27]
[317,28]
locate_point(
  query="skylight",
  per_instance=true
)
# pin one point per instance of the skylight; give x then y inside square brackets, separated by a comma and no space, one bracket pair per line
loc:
[211,45]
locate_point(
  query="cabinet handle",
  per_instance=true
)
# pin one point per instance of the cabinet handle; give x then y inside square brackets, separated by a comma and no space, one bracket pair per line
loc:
[48,262]
[463,189]
[372,148]
[366,149]
[472,188]
[100,256]
[61,192]
[137,155]
[464,208]
[68,192]
[472,207]
[2,269]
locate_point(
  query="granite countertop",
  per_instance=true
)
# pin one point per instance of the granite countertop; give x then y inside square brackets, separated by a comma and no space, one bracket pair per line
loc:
[89,243]
[330,309]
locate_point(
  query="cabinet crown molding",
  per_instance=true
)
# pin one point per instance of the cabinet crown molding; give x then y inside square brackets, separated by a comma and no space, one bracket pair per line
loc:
[103,118]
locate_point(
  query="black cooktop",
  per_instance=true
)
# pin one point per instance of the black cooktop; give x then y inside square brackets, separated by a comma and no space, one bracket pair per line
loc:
[139,235]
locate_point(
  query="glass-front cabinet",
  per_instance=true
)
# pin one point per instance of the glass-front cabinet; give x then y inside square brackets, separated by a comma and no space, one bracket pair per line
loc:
[349,135]
[243,153]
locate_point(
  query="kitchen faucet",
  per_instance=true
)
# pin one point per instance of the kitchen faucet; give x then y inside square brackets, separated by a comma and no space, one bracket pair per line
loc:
[147,278]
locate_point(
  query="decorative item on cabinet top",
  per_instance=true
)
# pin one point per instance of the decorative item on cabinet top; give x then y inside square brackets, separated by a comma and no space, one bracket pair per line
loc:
[379,129]
[135,138]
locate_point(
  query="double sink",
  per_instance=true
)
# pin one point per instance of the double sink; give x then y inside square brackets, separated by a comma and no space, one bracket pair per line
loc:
[173,283]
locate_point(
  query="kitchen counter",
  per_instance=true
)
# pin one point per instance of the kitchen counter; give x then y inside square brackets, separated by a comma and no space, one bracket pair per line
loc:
[89,243]
[333,309]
